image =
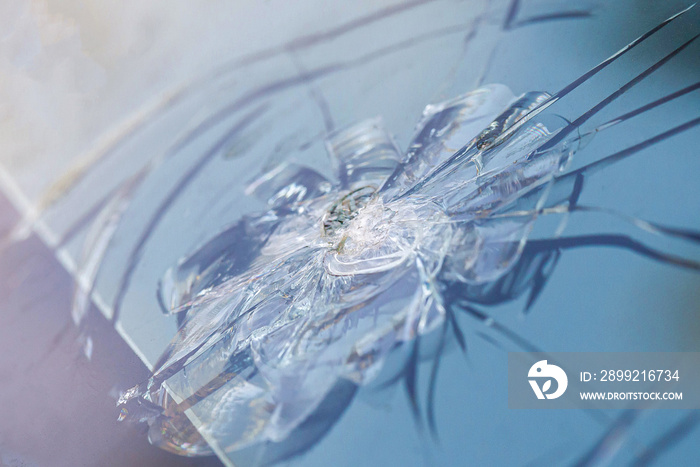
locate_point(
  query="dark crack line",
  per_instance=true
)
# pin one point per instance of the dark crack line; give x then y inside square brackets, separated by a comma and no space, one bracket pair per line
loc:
[573,126]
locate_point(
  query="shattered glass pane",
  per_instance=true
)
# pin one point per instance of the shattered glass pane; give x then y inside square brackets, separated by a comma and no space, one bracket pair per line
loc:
[286,309]
[366,249]
[281,306]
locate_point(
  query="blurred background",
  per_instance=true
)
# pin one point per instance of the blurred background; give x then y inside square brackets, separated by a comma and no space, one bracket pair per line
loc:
[180,103]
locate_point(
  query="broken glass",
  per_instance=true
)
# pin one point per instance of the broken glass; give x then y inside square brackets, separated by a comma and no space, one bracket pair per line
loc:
[282,306]
[294,306]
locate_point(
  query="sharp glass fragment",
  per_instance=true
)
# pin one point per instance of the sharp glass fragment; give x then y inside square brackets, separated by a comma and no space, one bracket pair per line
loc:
[284,313]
